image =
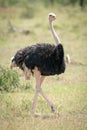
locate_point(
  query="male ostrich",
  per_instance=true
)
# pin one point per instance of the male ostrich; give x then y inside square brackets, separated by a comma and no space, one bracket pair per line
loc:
[41,60]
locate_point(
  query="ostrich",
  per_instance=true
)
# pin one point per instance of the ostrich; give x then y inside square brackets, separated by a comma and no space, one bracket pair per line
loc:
[41,60]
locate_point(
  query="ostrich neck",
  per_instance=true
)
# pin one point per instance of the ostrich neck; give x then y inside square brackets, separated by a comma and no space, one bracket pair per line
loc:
[56,38]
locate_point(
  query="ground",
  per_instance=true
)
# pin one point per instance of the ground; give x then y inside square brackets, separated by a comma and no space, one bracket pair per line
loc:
[68,91]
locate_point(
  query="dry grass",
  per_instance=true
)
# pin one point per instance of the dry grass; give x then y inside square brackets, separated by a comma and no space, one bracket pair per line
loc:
[68,91]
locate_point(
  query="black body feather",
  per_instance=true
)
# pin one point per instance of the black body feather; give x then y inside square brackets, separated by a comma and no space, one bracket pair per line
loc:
[48,58]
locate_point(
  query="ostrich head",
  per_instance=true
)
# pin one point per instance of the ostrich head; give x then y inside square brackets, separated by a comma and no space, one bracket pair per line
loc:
[52,16]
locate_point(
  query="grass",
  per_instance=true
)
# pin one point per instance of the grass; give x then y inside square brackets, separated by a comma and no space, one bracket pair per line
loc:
[68,91]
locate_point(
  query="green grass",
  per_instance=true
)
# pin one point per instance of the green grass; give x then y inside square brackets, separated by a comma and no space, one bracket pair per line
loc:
[68,91]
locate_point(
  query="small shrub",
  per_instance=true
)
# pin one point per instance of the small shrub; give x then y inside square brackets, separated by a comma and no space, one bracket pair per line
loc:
[9,79]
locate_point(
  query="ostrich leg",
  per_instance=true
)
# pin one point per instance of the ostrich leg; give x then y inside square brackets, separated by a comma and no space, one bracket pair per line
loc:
[34,101]
[39,80]
[46,98]
[37,93]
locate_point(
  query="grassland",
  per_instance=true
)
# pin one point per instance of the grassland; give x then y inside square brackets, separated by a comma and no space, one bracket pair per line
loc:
[68,91]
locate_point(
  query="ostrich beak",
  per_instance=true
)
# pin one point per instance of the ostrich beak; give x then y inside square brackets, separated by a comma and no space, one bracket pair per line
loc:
[54,17]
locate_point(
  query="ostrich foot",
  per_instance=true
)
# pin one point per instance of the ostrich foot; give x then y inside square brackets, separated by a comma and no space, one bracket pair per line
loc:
[54,110]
